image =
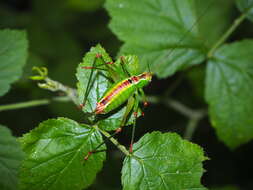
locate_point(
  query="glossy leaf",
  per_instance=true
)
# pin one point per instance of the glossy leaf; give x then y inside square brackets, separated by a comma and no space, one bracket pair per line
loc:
[246,6]
[11,156]
[55,156]
[163,161]
[229,94]
[13,54]
[98,79]
[166,33]
[213,13]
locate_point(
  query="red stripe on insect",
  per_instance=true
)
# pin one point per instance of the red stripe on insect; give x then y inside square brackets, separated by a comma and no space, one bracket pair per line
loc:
[135,78]
[102,104]
[87,67]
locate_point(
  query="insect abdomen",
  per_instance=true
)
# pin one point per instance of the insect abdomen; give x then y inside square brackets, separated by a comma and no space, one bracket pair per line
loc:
[121,92]
[120,98]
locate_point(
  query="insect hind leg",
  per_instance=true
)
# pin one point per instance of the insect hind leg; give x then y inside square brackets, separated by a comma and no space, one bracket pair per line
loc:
[135,112]
[99,56]
[93,67]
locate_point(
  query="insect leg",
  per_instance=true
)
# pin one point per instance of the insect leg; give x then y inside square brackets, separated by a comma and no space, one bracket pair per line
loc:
[135,109]
[89,83]
[93,67]
[98,66]
[129,107]
[109,67]
[122,63]
[144,98]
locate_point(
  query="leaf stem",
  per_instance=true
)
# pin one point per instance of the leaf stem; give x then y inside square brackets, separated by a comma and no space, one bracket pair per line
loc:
[191,127]
[174,85]
[194,116]
[54,86]
[114,141]
[224,37]
[177,106]
[32,103]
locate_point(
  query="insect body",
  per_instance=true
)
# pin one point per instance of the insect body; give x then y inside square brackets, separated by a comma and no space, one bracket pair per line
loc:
[121,91]
[127,86]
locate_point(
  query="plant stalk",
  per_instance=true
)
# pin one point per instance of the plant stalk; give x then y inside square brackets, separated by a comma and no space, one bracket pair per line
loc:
[114,141]
[190,128]
[224,37]
[32,103]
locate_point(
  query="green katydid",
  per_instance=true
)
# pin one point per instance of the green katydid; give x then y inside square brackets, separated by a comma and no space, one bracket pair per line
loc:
[127,87]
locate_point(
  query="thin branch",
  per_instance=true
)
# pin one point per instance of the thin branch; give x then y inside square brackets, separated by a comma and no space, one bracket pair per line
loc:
[191,127]
[194,116]
[114,141]
[174,85]
[32,103]
[225,36]
[54,86]
[177,106]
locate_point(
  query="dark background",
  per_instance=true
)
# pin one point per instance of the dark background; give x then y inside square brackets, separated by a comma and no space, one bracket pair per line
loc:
[59,33]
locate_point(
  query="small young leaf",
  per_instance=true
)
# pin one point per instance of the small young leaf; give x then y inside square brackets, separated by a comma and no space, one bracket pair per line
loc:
[13,54]
[10,159]
[229,94]
[246,6]
[166,33]
[127,65]
[55,156]
[163,161]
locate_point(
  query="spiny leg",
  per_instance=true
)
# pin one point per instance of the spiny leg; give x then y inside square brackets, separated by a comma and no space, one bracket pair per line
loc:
[135,112]
[94,67]
[89,81]
[123,63]
[98,66]
[144,98]
[109,68]
[129,107]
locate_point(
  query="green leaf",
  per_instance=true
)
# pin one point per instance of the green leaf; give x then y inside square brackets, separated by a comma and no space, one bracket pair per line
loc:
[55,156]
[13,54]
[127,65]
[166,33]
[163,161]
[213,13]
[98,81]
[229,94]
[246,6]
[10,159]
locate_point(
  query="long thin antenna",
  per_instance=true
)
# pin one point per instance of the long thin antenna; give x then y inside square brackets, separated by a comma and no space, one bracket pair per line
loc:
[149,68]
[188,31]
